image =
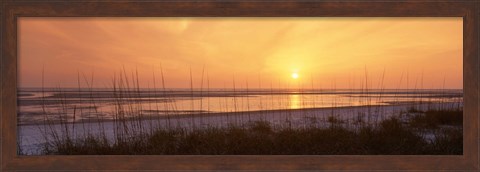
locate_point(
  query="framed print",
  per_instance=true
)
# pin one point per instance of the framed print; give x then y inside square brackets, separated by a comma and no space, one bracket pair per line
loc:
[288,85]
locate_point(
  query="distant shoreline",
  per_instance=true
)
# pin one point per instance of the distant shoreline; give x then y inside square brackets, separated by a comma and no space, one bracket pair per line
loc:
[256,113]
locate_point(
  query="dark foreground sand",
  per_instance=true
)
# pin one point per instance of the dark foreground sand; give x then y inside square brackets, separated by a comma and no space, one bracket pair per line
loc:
[31,137]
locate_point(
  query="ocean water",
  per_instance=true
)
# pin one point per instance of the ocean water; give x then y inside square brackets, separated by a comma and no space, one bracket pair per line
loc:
[35,104]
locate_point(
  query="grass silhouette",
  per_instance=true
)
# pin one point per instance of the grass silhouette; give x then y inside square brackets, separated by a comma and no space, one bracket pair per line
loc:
[414,132]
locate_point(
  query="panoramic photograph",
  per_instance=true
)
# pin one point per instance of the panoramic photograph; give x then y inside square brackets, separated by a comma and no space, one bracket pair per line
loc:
[240,86]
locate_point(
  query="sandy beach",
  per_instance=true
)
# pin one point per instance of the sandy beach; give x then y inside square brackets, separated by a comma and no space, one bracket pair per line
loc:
[32,136]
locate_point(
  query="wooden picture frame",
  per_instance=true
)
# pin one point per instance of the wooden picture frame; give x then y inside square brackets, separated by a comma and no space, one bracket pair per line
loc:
[11,10]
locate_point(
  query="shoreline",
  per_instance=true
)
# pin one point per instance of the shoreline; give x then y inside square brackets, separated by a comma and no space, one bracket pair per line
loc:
[30,137]
[241,113]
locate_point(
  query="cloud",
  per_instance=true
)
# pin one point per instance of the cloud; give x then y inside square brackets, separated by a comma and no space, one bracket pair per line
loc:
[245,47]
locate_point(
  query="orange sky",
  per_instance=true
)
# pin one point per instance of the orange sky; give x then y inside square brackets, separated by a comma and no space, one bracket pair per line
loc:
[333,51]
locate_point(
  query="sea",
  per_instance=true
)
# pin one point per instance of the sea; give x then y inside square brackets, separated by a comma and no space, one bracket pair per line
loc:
[35,105]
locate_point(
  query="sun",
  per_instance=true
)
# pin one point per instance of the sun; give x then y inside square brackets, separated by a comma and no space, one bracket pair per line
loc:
[294,75]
